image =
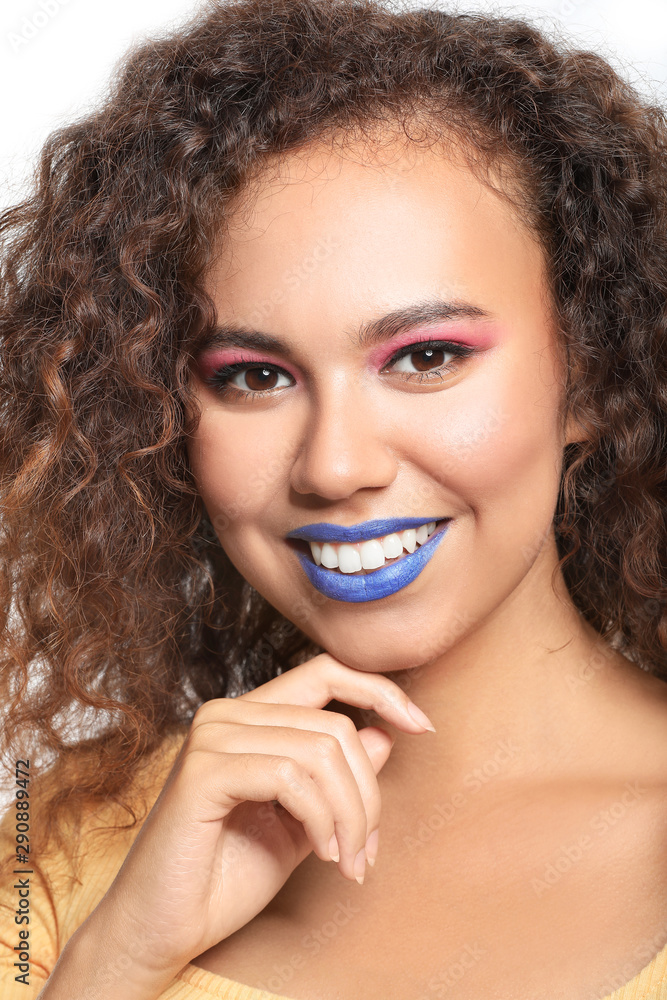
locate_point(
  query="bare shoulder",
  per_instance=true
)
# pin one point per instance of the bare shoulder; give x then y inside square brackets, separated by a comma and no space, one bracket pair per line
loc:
[637,724]
[577,866]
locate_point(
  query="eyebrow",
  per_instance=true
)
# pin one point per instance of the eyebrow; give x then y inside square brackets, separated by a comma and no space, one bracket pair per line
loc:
[371,332]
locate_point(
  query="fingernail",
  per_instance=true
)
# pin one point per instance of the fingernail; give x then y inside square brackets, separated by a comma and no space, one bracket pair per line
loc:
[419,716]
[372,847]
[333,848]
[360,866]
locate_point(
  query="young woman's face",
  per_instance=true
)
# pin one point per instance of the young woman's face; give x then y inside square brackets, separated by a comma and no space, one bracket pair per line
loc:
[337,276]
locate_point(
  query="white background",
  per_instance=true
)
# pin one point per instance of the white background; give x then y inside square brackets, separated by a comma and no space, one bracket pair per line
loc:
[56,55]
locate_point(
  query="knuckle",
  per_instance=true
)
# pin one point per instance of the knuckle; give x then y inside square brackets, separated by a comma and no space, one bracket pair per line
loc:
[203,714]
[195,741]
[285,769]
[213,710]
[208,735]
[325,745]
[343,725]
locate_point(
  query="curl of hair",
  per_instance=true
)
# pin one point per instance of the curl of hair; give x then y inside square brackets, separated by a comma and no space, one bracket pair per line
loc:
[120,613]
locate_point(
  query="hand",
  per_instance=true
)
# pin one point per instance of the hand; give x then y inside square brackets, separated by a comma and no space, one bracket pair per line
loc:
[214,849]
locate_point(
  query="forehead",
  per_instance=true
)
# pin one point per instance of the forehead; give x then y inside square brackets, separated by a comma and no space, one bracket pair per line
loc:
[385,163]
[357,188]
[333,232]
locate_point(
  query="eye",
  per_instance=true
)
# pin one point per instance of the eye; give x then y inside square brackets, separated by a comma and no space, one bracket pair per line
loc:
[426,360]
[247,379]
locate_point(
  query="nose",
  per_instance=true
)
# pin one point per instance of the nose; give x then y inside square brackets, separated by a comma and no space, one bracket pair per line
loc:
[345,447]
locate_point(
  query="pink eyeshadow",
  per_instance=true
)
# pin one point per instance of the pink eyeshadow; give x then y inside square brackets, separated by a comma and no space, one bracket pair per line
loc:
[472,336]
[210,361]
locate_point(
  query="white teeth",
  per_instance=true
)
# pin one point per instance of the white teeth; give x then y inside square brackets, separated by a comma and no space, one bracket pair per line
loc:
[371,554]
[422,533]
[329,556]
[349,560]
[410,539]
[392,546]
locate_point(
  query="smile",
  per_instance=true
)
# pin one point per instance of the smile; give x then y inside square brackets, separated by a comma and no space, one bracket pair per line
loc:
[367,561]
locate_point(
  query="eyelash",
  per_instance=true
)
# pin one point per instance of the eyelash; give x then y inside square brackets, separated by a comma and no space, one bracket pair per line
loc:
[218,378]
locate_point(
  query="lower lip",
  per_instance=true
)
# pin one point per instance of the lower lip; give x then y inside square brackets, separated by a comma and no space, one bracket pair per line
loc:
[381,582]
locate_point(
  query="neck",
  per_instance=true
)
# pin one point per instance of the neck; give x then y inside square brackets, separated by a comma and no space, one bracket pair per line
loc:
[521,697]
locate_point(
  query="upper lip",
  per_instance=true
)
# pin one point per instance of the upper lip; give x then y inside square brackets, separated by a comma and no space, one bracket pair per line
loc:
[323,531]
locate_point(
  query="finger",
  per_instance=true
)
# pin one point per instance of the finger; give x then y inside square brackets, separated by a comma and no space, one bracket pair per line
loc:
[228,779]
[326,745]
[323,679]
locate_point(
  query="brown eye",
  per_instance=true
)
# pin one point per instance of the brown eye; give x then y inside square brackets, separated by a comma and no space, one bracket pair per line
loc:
[258,379]
[429,360]
[425,360]
[244,380]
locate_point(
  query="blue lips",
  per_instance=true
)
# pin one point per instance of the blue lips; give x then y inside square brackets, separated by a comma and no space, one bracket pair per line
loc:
[379,583]
[324,532]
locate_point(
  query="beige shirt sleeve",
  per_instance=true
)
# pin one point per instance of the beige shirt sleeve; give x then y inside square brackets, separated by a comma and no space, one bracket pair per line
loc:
[55,893]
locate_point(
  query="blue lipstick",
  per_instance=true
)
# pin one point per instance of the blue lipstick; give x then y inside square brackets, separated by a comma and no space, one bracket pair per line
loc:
[325,532]
[377,583]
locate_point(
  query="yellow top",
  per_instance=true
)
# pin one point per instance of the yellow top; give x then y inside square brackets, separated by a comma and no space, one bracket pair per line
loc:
[50,928]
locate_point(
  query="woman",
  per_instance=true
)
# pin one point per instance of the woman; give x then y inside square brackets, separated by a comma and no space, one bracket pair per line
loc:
[334,387]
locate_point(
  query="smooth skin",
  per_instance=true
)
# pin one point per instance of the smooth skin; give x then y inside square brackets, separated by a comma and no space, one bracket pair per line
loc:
[498,658]
[523,697]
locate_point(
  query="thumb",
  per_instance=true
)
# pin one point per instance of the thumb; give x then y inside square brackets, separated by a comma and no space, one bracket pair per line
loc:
[377,744]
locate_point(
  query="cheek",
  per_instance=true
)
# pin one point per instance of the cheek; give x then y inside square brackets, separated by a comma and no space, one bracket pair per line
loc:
[239,468]
[498,449]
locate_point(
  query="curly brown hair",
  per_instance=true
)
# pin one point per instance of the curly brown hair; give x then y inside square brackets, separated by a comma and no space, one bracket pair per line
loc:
[120,611]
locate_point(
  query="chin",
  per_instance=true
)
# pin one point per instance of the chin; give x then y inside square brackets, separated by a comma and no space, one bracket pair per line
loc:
[386,658]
